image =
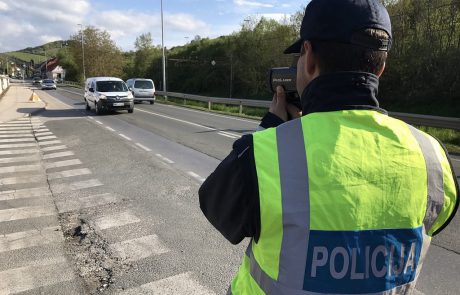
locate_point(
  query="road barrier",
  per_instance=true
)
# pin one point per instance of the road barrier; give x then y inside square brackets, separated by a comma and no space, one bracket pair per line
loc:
[414,119]
[4,83]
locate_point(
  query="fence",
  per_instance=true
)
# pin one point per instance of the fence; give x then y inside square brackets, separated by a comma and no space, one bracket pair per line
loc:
[415,119]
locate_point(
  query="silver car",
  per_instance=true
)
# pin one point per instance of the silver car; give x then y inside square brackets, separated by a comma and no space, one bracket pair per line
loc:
[48,84]
[142,89]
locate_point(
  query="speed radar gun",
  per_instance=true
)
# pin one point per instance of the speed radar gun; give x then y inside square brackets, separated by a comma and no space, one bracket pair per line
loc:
[286,78]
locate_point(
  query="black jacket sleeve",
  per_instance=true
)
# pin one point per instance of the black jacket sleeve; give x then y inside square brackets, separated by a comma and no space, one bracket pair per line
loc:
[229,198]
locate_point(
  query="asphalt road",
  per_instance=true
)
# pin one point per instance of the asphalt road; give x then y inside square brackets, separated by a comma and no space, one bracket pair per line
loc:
[148,167]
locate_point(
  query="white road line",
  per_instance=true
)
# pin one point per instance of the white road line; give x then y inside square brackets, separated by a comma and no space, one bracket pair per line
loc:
[21,168]
[19,152]
[31,238]
[86,202]
[456,160]
[20,159]
[16,135]
[69,173]
[53,148]
[125,137]
[17,132]
[17,140]
[165,159]
[24,193]
[62,164]
[226,135]
[35,275]
[99,122]
[230,134]
[89,117]
[116,220]
[85,184]
[179,120]
[26,213]
[137,249]
[143,147]
[16,145]
[16,125]
[40,138]
[14,128]
[109,128]
[43,133]
[49,142]
[196,176]
[22,179]
[58,155]
[174,285]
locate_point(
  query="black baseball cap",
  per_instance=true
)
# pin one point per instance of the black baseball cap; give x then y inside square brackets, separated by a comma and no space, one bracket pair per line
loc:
[339,20]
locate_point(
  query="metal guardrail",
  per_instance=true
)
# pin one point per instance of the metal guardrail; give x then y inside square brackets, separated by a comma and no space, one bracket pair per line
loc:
[415,119]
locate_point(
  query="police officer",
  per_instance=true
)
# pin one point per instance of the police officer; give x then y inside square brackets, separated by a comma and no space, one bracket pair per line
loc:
[344,199]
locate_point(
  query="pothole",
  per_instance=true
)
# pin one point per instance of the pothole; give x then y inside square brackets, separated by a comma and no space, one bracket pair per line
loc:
[91,254]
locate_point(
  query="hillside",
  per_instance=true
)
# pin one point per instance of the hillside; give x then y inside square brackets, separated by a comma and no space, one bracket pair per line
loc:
[37,54]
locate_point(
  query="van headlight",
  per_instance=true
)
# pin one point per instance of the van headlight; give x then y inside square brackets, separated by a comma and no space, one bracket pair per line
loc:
[102,96]
[130,95]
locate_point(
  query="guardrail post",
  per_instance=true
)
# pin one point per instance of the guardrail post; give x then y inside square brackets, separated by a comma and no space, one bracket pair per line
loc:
[209,105]
[241,108]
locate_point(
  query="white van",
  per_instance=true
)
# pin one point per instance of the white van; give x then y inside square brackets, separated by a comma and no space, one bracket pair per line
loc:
[142,89]
[107,94]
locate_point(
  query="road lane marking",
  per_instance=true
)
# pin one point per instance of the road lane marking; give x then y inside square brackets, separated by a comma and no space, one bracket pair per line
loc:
[17,140]
[196,176]
[43,133]
[140,248]
[456,160]
[99,122]
[78,185]
[20,159]
[24,193]
[69,173]
[54,148]
[62,164]
[30,238]
[116,220]
[16,145]
[86,202]
[58,155]
[179,120]
[25,213]
[109,128]
[40,138]
[19,152]
[143,147]
[16,135]
[36,274]
[17,132]
[91,118]
[16,125]
[49,142]
[22,180]
[164,159]
[125,137]
[14,128]
[20,168]
[178,284]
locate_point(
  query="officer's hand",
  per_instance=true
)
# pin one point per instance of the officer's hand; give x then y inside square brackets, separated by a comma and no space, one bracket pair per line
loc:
[278,105]
[293,111]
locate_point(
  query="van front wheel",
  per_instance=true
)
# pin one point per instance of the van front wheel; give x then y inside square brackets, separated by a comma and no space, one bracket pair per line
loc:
[131,110]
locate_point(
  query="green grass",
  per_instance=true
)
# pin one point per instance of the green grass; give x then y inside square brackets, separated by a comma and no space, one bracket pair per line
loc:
[450,138]
[27,56]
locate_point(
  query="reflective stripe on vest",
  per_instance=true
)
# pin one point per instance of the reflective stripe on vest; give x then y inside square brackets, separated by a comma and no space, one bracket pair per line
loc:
[435,198]
[295,200]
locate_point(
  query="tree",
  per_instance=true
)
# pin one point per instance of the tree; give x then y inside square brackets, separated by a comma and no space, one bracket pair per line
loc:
[144,55]
[102,56]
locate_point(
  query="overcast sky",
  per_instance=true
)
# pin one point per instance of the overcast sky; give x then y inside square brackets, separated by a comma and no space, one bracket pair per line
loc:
[28,23]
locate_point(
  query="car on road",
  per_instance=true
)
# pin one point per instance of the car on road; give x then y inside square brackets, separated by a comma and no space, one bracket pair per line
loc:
[142,89]
[48,84]
[107,94]
[37,80]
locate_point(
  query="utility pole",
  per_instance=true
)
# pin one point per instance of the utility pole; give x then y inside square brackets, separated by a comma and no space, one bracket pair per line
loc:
[231,74]
[163,46]
[82,52]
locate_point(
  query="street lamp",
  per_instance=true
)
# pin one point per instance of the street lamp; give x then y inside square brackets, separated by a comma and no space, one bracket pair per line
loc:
[163,46]
[82,52]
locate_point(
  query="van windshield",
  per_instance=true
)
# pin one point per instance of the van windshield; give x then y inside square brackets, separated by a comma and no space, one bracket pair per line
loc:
[111,86]
[143,84]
